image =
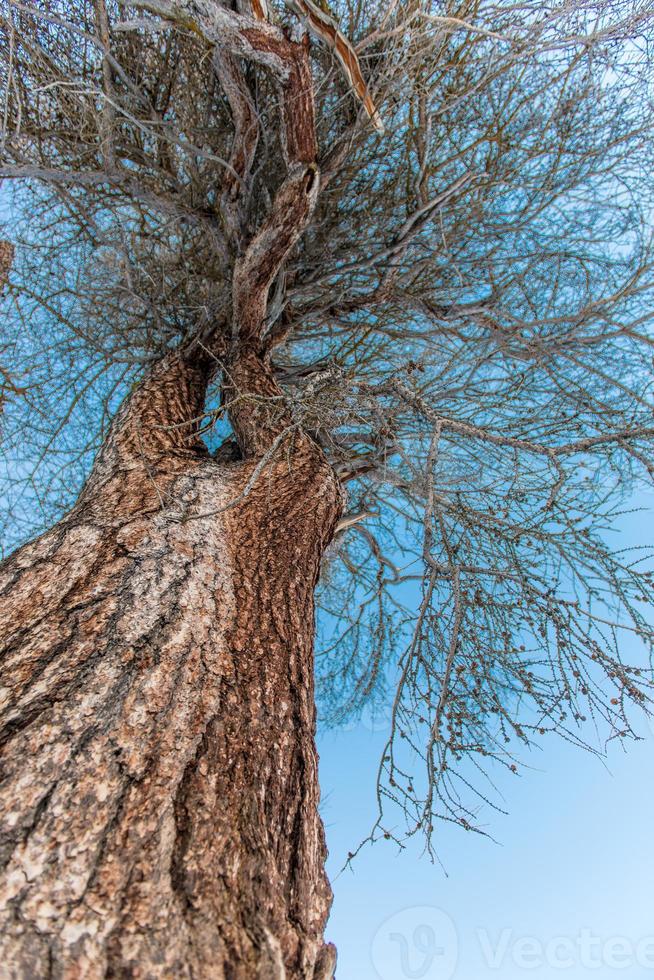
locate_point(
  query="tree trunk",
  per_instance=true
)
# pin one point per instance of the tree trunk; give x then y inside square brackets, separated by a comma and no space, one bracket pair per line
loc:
[159,790]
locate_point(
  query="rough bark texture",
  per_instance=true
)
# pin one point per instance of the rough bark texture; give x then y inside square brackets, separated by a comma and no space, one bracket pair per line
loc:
[158,793]
[158,790]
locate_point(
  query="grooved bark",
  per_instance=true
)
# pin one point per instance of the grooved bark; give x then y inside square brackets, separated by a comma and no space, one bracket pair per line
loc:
[158,790]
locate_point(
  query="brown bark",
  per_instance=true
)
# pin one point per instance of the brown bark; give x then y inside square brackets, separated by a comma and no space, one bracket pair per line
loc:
[7,383]
[158,791]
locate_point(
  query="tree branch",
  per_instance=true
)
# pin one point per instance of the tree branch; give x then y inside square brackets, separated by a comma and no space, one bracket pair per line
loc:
[256,270]
[255,40]
[246,136]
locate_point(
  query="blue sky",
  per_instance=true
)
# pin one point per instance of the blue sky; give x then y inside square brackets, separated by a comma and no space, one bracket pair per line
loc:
[567,890]
[574,853]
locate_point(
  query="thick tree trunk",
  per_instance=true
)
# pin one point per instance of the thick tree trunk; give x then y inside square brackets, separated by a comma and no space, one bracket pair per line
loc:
[159,791]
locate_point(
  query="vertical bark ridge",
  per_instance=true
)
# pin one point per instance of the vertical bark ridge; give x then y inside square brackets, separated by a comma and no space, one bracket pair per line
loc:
[158,780]
[158,772]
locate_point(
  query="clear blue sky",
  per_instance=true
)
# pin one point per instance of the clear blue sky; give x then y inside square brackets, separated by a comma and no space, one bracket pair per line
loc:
[568,890]
[575,853]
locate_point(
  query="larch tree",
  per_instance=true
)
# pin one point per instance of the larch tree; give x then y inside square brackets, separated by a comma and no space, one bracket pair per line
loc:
[357,299]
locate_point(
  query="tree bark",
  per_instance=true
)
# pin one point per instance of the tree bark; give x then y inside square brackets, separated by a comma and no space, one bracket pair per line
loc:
[159,790]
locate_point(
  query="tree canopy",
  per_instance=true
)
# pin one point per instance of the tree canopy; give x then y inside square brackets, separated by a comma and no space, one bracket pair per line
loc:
[464,327]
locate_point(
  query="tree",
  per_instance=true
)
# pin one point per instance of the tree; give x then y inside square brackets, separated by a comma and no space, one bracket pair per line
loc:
[415,362]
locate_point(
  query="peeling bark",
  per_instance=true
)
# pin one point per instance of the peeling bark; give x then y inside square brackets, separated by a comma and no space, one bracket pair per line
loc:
[158,783]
